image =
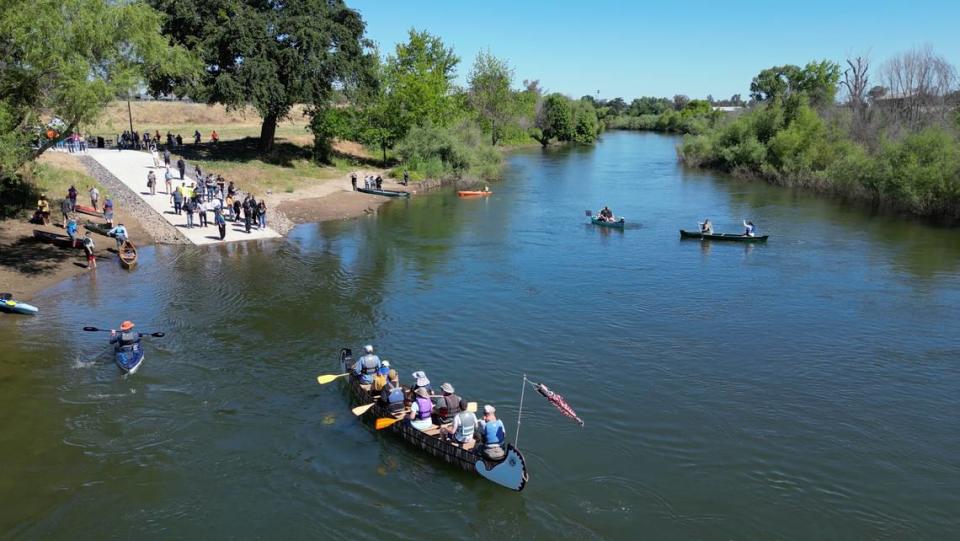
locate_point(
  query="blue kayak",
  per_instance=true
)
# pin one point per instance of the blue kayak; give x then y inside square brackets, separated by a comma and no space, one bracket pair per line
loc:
[17,307]
[129,360]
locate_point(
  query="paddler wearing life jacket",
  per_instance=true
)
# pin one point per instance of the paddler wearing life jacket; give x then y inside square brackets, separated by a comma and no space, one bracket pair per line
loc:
[367,366]
[464,424]
[126,339]
[448,405]
[493,433]
[421,410]
[392,393]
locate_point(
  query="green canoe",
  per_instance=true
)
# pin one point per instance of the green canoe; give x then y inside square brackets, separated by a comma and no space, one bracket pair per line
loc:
[615,225]
[103,229]
[721,236]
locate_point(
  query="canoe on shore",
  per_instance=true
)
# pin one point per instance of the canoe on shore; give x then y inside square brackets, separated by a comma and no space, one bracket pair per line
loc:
[87,210]
[102,229]
[385,193]
[721,236]
[9,305]
[52,238]
[473,193]
[128,255]
[129,360]
[602,223]
[511,472]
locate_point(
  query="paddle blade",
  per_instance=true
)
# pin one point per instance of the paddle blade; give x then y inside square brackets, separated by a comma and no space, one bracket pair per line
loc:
[588,213]
[360,410]
[384,422]
[94,329]
[158,335]
[328,378]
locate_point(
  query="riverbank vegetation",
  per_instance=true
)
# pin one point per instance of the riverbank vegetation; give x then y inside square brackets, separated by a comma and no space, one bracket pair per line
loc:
[895,144]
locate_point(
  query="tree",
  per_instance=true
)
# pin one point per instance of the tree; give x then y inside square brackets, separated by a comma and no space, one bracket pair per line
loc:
[736,100]
[917,82]
[773,83]
[418,82]
[490,94]
[648,105]
[679,101]
[710,99]
[63,61]
[617,106]
[269,54]
[818,80]
[555,119]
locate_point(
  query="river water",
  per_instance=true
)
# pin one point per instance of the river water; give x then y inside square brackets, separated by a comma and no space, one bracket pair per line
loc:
[803,389]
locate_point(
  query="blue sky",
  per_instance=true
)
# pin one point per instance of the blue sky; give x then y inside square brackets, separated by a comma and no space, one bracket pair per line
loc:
[632,49]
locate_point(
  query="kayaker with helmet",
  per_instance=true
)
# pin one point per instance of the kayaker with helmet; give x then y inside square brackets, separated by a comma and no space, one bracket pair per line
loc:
[421,410]
[367,366]
[751,230]
[493,432]
[448,406]
[126,339]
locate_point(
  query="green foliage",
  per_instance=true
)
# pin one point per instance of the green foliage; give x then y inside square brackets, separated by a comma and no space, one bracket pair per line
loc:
[817,80]
[556,119]
[418,83]
[648,105]
[490,93]
[441,152]
[65,60]
[270,55]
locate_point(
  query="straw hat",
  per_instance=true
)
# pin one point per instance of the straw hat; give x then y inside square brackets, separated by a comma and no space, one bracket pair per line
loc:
[422,392]
[126,325]
[447,388]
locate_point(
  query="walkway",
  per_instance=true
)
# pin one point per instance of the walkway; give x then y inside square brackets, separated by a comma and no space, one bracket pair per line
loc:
[131,168]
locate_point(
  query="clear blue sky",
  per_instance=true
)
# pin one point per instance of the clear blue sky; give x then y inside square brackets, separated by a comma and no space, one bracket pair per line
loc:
[632,49]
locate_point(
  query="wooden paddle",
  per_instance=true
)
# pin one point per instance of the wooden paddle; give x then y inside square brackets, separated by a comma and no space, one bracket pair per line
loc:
[153,334]
[322,380]
[384,422]
[360,410]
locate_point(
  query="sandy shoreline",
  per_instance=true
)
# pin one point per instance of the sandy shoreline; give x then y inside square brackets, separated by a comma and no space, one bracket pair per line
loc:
[28,266]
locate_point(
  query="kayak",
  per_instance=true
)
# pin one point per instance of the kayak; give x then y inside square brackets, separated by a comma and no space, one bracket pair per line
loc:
[129,360]
[471,193]
[7,304]
[87,210]
[102,229]
[128,255]
[510,472]
[616,225]
[721,236]
[385,193]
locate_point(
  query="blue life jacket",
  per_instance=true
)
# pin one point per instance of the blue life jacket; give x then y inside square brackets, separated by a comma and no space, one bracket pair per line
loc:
[395,395]
[493,433]
[425,407]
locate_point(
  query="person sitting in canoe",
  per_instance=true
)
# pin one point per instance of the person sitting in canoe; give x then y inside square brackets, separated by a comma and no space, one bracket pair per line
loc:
[420,380]
[605,214]
[392,393]
[125,340]
[464,425]
[367,366]
[421,410]
[751,230]
[493,432]
[706,227]
[448,405]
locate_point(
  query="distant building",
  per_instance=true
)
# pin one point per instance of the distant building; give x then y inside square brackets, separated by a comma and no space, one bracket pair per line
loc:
[728,108]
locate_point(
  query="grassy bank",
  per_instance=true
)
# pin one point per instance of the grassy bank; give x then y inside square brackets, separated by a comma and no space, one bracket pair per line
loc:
[52,174]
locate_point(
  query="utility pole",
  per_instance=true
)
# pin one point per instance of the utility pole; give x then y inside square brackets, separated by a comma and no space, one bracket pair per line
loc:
[129,113]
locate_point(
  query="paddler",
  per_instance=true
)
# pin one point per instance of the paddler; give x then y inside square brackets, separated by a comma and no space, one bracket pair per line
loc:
[421,410]
[493,432]
[706,227]
[464,424]
[606,214]
[420,380]
[448,405]
[392,393]
[126,339]
[367,366]
[750,230]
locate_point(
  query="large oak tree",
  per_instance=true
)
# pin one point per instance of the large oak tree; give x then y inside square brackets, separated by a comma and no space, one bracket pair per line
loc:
[271,54]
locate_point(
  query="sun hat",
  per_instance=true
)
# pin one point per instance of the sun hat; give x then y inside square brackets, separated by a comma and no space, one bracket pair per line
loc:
[368,348]
[422,392]
[385,363]
[421,378]
[126,325]
[489,409]
[447,388]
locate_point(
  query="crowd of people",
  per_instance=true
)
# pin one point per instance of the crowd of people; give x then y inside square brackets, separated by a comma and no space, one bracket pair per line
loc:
[427,410]
[370,182]
[133,140]
[70,208]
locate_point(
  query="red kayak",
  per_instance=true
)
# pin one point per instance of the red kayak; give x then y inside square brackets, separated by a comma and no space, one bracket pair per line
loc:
[87,210]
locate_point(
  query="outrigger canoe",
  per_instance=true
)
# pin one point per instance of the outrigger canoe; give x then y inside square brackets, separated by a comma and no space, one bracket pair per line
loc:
[129,360]
[511,472]
[473,193]
[385,193]
[8,304]
[128,255]
[721,236]
[615,225]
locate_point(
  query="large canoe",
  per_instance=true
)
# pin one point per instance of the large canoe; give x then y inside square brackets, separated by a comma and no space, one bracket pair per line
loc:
[721,236]
[102,229]
[615,225]
[128,361]
[385,193]
[128,255]
[511,472]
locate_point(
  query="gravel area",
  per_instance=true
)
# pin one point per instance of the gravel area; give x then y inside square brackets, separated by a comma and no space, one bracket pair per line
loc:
[159,229]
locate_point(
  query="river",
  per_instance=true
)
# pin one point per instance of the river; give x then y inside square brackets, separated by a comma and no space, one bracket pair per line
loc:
[807,388]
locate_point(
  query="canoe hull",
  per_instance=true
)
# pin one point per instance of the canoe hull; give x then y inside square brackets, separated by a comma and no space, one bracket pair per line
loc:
[721,236]
[613,225]
[17,307]
[87,210]
[128,255]
[129,361]
[53,238]
[384,193]
[511,472]
[469,193]
[102,229]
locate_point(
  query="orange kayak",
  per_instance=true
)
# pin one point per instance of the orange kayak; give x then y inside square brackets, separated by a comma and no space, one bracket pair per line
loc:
[468,193]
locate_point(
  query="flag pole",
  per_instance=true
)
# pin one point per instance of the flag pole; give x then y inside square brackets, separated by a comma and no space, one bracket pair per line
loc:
[520,413]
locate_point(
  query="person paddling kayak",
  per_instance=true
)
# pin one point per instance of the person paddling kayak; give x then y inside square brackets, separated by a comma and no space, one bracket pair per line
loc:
[605,214]
[125,340]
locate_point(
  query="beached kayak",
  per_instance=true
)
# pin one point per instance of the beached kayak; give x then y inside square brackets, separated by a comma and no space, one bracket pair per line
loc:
[470,193]
[510,472]
[721,236]
[385,193]
[615,225]
[53,238]
[129,360]
[102,229]
[9,305]
[87,210]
